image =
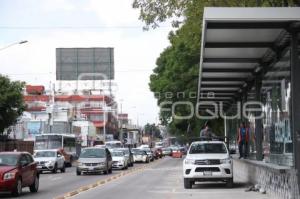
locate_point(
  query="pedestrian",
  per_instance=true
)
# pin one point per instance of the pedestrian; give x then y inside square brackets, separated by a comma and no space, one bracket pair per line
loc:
[206,132]
[243,140]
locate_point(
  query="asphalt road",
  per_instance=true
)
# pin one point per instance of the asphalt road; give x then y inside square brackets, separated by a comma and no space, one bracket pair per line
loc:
[53,185]
[163,180]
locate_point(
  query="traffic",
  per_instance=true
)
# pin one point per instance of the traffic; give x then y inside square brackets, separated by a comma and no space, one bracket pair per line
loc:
[19,170]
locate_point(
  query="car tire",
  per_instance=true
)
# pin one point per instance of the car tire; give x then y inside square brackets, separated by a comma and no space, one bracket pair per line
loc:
[63,169]
[35,186]
[229,183]
[17,191]
[78,173]
[106,170]
[187,183]
[54,169]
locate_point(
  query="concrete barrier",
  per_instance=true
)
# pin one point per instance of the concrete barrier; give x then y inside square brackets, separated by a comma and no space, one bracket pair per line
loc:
[279,181]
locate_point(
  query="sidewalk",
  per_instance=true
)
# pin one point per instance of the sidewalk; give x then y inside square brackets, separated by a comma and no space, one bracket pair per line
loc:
[278,181]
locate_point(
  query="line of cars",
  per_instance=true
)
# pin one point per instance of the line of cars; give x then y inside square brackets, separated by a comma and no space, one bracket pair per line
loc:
[21,169]
[101,159]
[174,151]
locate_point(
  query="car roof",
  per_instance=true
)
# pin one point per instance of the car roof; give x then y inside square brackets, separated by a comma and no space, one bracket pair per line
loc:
[55,150]
[93,148]
[208,142]
[14,152]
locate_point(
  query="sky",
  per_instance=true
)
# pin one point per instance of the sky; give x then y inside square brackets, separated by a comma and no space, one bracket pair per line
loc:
[51,24]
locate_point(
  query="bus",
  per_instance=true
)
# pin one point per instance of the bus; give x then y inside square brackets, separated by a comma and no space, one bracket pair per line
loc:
[114,144]
[66,144]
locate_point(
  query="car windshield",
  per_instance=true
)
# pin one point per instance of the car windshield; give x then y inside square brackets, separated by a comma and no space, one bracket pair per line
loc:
[117,154]
[203,148]
[92,153]
[45,154]
[139,152]
[8,160]
[126,151]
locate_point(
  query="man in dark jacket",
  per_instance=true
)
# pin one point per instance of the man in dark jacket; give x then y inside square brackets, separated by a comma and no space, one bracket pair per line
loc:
[206,132]
[243,139]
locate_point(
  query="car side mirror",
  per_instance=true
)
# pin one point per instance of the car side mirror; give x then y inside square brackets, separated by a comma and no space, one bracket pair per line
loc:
[58,155]
[23,164]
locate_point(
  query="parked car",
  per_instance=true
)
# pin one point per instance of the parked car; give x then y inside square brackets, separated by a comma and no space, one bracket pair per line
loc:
[176,153]
[207,161]
[140,156]
[183,150]
[120,161]
[166,151]
[49,160]
[128,154]
[18,170]
[144,146]
[149,153]
[94,160]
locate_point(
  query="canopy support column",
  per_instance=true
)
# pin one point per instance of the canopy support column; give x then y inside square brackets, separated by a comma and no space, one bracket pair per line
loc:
[295,99]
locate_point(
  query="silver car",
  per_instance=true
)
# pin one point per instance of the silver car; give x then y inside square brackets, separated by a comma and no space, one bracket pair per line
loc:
[94,160]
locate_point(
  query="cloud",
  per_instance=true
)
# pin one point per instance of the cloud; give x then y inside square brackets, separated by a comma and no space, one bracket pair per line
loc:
[135,52]
[114,12]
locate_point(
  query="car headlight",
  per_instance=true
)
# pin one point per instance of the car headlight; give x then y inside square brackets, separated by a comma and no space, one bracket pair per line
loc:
[225,161]
[80,164]
[101,163]
[9,176]
[51,162]
[189,161]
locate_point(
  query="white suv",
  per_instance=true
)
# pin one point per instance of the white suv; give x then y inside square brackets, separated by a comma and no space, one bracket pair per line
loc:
[49,160]
[207,161]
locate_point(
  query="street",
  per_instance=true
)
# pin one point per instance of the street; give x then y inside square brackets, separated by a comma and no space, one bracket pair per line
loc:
[54,185]
[159,179]
[163,179]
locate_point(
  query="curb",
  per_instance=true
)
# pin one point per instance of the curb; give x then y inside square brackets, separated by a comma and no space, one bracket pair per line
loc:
[102,182]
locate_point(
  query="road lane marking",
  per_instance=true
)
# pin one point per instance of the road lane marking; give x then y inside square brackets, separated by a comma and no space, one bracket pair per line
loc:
[105,181]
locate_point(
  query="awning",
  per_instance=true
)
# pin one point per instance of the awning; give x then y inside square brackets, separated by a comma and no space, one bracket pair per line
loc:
[238,43]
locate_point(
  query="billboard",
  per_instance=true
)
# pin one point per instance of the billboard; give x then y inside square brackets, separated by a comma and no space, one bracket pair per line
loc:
[84,63]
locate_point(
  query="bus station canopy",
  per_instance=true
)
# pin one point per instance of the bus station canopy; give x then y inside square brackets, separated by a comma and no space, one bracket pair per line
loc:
[238,44]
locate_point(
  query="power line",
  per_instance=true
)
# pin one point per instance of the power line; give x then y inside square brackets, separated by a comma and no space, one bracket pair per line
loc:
[74,27]
[53,73]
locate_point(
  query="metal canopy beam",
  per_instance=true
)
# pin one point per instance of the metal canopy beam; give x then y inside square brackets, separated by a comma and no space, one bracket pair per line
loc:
[248,25]
[239,45]
[221,85]
[227,70]
[231,60]
[223,79]
[216,93]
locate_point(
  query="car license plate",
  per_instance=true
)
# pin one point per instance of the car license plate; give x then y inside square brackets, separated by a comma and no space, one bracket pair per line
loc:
[90,168]
[207,173]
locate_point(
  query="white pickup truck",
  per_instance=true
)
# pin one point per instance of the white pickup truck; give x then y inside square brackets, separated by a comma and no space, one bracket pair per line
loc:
[207,161]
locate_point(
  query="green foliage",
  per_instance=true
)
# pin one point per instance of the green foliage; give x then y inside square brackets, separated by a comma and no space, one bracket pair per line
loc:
[152,130]
[153,12]
[175,77]
[11,102]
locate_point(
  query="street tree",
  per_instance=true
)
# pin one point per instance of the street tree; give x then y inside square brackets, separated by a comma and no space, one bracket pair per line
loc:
[11,102]
[175,77]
